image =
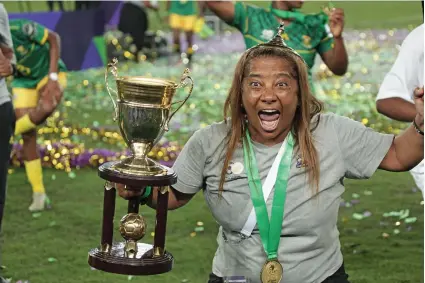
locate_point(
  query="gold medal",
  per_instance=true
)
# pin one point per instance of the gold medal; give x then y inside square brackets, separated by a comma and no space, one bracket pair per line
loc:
[271,272]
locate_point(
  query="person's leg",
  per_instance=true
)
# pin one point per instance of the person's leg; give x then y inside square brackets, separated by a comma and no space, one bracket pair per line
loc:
[27,112]
[60,3]
[174,22]
[37,109]
[26,102]
[129,23]
[7,127]
[189,25]
[50,5]
[140,29]
[78,5]
[176,41]
[189,39]
[32,164]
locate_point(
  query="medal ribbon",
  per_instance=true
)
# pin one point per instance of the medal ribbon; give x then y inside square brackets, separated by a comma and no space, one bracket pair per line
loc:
[269,230]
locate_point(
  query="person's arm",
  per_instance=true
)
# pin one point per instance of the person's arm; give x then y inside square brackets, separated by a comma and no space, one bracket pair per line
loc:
[396,108]
[407,150]
[394,98]
[225,10]
[7,59]
[336,58]
[176,199]
[363,150]
[54,41]
[6,68]
[189,166]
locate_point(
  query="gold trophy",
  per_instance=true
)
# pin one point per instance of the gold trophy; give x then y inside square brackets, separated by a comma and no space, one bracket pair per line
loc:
[142,108]
[143,113]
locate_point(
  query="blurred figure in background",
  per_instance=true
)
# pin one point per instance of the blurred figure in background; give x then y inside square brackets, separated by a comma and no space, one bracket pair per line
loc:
[307,34]
[51,5]
[7,117]
[86,5]
[182,17]
[37,90]
[395,97]
[134,21]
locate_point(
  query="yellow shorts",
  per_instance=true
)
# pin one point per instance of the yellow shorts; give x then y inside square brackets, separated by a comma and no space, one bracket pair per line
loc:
[185,23]
[28,97]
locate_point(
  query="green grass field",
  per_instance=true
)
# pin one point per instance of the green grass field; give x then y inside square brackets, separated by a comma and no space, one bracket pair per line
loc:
[52,246]
[66,233]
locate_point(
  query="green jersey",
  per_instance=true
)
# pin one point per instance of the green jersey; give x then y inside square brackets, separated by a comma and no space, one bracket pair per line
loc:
[32,53]
[259,25]
[184,8]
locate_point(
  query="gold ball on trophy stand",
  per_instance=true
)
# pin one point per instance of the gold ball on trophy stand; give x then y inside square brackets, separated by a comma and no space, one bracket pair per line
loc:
[132,229]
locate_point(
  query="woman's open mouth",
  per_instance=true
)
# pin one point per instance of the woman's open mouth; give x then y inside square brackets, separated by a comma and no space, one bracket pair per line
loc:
[269,118]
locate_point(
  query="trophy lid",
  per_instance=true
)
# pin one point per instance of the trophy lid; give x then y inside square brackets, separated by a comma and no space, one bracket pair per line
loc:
[277,41]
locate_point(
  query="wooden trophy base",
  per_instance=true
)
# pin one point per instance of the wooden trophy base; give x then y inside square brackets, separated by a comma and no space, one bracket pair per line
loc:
[150,259]
[143,264]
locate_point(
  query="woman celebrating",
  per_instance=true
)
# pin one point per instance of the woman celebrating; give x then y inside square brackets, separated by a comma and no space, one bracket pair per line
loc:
[272,172]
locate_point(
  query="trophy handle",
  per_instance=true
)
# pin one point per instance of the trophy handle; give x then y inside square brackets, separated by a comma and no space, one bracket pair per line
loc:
[111,67]
[183,82]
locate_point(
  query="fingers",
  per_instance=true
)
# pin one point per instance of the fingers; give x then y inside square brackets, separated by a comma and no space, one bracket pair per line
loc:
[2,57]
[7,52]
[419,92]
[125,193]
[57,96]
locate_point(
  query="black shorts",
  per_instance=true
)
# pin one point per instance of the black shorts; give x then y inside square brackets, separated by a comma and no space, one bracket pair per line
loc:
[338,277]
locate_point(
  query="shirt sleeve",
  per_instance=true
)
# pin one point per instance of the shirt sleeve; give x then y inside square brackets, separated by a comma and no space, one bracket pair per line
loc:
[189,166]
[401,80]
[241,16]
[327,41]
[34,31]
[362,148]
[5,30]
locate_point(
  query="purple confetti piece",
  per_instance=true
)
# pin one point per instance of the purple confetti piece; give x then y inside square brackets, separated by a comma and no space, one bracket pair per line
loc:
[367,213]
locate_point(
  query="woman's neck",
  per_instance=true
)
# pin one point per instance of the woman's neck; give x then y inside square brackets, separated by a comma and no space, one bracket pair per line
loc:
[257,137]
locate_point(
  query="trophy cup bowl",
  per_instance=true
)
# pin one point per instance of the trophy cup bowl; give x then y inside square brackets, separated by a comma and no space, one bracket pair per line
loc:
[142,108]
[143,113]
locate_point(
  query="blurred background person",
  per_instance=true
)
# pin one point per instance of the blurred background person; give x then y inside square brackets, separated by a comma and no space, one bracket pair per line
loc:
[182,17]
[86,5]
[308,34]
[395,97]
[7,116]
[134,21]
[37,89]
[51,5]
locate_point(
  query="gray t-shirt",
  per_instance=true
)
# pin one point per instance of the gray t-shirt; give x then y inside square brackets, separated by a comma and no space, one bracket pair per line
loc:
[309,247]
